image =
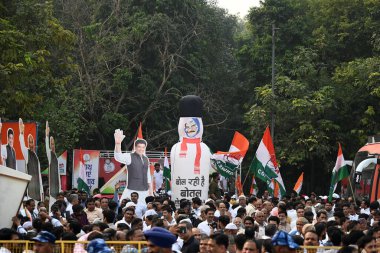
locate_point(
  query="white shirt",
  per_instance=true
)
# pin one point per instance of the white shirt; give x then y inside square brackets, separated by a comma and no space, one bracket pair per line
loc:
[366,211]
[123,221]
[292,214]
[158,179]
[177,246]
[261,232]
[4,250]
[69,209]
[353,217]
[223,183]
[140,210]
[126,159]
[171,223]
[204,227]
[197,212]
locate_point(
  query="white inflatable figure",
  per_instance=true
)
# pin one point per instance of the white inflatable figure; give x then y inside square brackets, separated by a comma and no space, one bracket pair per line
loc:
[190,157]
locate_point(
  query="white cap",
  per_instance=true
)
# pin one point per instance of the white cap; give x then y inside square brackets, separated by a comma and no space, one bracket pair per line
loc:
[150,212]
[335,196]
[306,197]
[242,197]
[27,225]
[209,200]
[231,226]
[233,196]
[130,204]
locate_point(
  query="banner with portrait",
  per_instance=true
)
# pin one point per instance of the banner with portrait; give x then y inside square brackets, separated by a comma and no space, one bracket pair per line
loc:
[91,162]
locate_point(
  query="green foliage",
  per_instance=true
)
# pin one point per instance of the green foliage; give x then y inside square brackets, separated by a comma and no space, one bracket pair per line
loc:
[90,67]
[327,81]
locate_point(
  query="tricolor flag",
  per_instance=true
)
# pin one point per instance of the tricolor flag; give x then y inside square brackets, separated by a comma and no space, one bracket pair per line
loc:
[167,173]
[82,179]
[339,172]
[264,164]
[254,190]
[226,163]
[297,188]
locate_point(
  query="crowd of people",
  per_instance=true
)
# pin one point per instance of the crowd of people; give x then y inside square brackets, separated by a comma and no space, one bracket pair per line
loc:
[223,223]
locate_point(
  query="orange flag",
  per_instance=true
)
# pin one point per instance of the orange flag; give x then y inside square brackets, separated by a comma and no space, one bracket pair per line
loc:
[139,132]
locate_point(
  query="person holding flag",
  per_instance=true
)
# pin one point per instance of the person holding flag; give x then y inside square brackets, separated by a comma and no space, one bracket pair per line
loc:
[339,172]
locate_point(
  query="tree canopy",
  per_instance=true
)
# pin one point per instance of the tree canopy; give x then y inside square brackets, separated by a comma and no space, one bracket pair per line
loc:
[90,67]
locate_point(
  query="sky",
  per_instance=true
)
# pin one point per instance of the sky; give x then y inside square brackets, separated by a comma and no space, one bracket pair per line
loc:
[238,7]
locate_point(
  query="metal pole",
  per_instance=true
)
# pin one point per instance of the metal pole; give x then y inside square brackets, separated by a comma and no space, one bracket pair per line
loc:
[273,77]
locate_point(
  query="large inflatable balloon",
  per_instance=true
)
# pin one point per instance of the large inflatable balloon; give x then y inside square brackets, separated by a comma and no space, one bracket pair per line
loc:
[190,157]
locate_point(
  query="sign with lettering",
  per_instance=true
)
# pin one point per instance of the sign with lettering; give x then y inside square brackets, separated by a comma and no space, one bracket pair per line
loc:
[91,162]
[184,182]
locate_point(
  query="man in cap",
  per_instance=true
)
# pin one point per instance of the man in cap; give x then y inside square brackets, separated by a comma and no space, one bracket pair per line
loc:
[138,167]
[44,242]
[231,229]
[159,240]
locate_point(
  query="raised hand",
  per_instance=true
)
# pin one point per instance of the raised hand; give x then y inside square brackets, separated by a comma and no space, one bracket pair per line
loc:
[47,130]
[1,125]
[119,136]
[21,125]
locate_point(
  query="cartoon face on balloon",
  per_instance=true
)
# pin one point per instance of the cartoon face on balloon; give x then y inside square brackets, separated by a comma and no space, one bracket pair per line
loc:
[190,127]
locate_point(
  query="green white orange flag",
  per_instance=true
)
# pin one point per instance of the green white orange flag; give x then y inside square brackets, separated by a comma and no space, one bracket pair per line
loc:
[226,163]
[264,164]
[339,172]
[298,186]
[82,179]
[254,190]
[167,173]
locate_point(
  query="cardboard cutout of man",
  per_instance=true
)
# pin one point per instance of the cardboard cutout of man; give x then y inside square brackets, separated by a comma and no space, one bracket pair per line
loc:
[137,163]
[35,190]
[8,153]
[54,178]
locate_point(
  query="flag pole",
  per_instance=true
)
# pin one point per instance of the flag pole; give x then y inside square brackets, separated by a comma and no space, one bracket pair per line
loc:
[242,188]
[235,182]
[245,179]
[352,190]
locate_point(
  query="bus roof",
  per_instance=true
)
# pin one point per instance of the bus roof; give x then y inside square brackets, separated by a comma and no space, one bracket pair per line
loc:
[371,148]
